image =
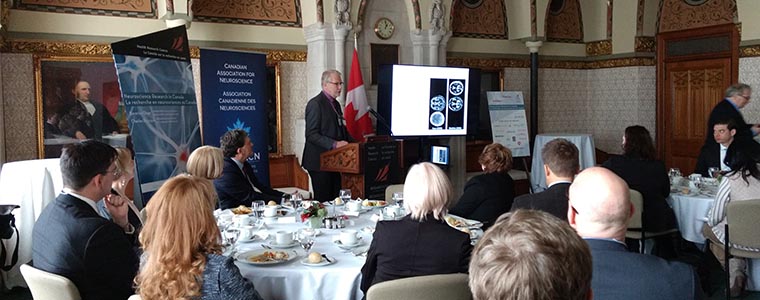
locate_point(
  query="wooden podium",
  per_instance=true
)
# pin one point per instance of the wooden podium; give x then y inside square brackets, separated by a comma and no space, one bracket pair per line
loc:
[366,168]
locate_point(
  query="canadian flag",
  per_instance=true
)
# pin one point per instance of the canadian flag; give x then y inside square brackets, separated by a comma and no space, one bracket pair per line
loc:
[358,122]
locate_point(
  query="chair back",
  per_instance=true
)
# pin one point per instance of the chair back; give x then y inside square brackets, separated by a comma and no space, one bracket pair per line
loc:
[637,200]
[743,222]
[431,287]
[44,285]
[393,188]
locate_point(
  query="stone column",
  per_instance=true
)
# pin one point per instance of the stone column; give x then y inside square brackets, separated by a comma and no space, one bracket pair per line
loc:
[533,47]
[426,48]
[176,13]
[325,50]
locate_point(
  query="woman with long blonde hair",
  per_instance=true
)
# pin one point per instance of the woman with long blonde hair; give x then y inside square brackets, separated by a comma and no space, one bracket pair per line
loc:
[182,254]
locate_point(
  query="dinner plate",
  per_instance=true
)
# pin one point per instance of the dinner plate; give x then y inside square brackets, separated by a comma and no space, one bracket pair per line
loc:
[459,222]
[274,244]
[322,263]
[376,202]
[245,256]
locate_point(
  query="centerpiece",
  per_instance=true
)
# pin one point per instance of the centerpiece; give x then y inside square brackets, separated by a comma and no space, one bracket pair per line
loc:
[314,214]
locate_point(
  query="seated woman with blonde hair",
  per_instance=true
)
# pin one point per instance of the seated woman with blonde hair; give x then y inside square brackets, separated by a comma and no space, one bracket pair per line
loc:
[421,243]
[206,162]
[182,255]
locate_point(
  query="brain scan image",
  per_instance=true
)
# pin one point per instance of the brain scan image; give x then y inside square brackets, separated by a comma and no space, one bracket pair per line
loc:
[437,118]
[456,88]
[456,104]
[438,103]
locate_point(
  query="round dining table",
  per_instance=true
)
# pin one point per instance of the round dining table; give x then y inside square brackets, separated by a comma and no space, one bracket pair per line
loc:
[294,280]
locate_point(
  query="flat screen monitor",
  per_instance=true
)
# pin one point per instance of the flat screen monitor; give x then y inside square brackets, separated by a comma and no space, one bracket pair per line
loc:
[439,155]
[425,100]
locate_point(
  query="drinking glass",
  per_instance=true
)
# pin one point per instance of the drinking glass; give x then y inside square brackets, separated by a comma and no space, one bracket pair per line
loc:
[257,207]
[297,201]
[398,198]
[674,172]
[306,240]
[713,171]
[231,236]
[345,195]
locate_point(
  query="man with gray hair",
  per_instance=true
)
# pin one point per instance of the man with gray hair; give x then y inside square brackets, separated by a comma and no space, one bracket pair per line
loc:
[737,96]
[325,130]
[599,210]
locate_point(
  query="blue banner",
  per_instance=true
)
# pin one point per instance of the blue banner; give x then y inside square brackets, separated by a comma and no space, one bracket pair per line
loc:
[156,81]
[234,89]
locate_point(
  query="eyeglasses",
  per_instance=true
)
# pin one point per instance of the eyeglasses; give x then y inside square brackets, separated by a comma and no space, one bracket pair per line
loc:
[746,97]
[574,210]
[336,83]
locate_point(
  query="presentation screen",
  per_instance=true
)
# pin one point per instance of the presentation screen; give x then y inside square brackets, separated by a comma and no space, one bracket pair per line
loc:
[429,101]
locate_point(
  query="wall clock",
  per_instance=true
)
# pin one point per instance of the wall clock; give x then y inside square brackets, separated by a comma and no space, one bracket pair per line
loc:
[384,28]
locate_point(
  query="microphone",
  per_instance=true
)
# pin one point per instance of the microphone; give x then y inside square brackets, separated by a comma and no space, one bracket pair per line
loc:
[380,119]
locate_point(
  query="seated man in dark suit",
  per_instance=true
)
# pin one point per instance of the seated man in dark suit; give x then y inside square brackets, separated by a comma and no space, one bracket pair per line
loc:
[530,255]
[712,154]
[600,208]
[238,184]
[71,239]
[560,165]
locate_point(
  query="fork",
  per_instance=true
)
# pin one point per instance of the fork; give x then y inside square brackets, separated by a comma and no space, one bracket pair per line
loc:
[265,246]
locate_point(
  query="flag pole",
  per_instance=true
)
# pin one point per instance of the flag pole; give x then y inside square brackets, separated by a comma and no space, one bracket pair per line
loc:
[356,38]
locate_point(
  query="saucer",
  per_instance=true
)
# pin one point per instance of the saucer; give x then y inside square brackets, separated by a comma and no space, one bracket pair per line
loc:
[250,239]
[342,246]
[275,245]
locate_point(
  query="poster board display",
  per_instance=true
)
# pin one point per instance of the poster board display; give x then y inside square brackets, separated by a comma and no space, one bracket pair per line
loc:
[509,125]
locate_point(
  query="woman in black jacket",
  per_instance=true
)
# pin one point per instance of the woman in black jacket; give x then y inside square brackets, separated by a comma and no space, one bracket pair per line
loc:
[489,195]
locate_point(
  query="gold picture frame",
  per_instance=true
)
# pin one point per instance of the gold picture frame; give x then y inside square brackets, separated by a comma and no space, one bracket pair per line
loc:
[55,78]
[274,121]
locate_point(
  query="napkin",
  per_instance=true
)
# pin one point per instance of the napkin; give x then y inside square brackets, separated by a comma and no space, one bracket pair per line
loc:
[351,213]
[376,217]
[287,220]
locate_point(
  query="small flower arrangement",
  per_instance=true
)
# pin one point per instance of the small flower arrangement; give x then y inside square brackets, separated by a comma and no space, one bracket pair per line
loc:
[315,210]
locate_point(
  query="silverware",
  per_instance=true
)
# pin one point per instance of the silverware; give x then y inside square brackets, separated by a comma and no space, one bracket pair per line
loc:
[265,246]
[327,259]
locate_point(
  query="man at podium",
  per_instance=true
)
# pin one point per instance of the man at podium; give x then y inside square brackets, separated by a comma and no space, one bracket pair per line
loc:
[325,130]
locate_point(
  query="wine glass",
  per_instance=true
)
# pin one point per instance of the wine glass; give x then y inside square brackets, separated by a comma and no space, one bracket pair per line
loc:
[674,172]
[713,172]
[231,236]
[345,195]
[398,198]
[306,240]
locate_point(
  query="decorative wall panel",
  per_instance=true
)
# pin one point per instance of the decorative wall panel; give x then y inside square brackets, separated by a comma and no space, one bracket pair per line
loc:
[121,8]
[285,13]
[564,25]
[294,98]
[479,19]
[679,15]
[749,73]
[19,110]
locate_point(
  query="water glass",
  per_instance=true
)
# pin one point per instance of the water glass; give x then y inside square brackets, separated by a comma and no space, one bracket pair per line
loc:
[713,172]
[398,198]
[297,201]
[674,172]
[231,236]
[306,240]
[257,207]
[345,195]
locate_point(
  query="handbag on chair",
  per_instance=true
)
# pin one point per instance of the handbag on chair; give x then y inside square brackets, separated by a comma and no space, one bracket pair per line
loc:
[7,227]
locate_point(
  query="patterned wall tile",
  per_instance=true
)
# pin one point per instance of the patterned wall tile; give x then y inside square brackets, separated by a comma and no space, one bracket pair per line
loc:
[19,109]
[294,98]
[749,73]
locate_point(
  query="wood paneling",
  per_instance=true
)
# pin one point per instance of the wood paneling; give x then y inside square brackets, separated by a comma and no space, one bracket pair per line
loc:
[285,171]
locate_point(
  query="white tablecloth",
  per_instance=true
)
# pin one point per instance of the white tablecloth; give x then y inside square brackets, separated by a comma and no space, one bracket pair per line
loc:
[32,184]
[587,156]
[691,213]
[292,280]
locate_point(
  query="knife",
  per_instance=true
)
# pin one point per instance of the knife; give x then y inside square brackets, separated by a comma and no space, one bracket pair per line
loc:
[327,259]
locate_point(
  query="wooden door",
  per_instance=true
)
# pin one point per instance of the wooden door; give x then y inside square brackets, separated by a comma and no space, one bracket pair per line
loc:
[694,67]
[692,89]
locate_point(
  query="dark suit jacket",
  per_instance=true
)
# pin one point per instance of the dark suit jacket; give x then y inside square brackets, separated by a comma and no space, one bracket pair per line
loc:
[709,156]
[323,128]
[76,118]
[650,178]
[70,239]
[726,111]
[553,200]
[234,189]
[621,275]
[408,248]
[486,197]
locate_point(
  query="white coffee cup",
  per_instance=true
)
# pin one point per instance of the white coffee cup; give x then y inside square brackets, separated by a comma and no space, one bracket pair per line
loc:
[348,237]
[695,177]
[270,211]
[354,206]
[241,220]
[283,238]
[246,232]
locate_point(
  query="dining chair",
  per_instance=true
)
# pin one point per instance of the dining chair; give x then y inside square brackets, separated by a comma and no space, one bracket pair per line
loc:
[44,285]
[393,188]
[636,230]
[743,221]
[431,287]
